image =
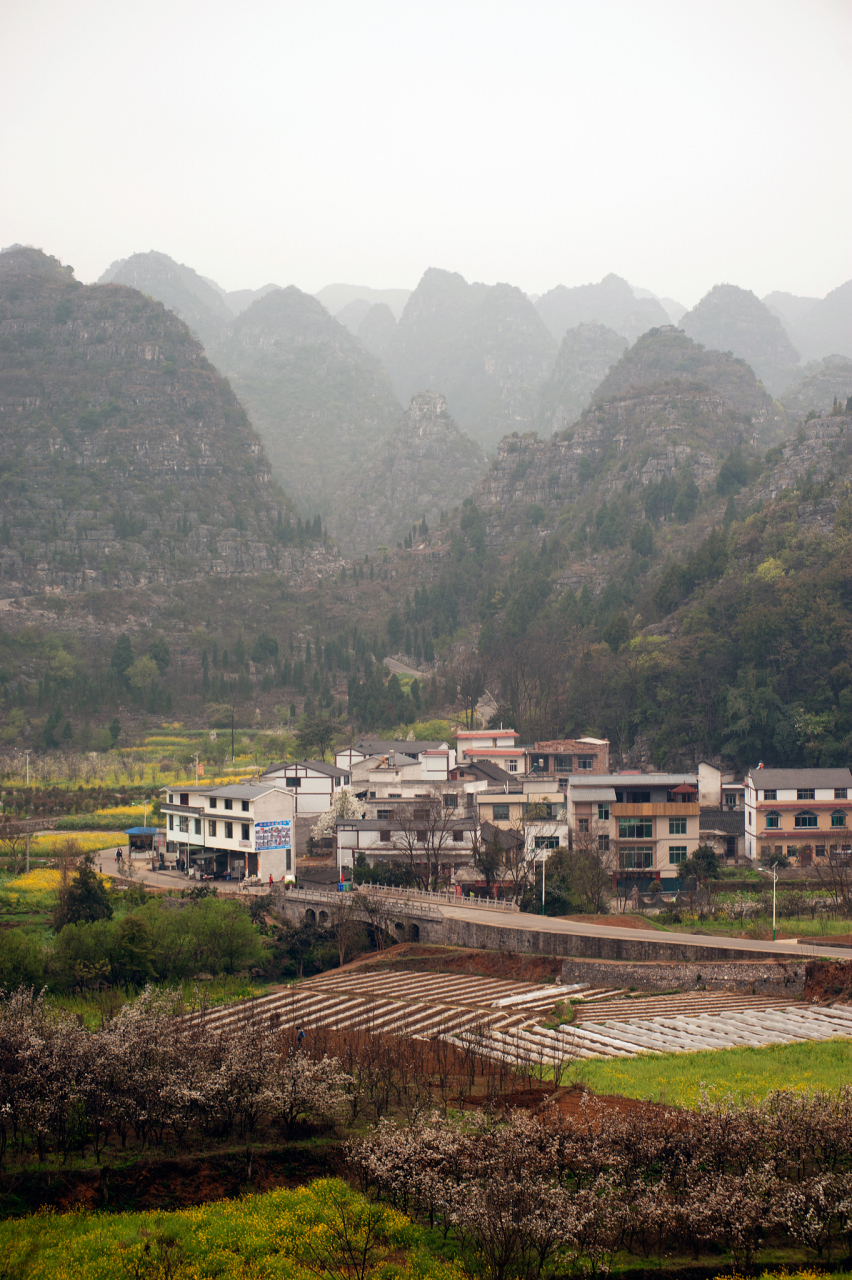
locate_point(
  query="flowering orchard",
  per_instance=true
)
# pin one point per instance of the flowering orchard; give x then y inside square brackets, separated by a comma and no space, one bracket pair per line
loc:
[148,1078]
[537,1194]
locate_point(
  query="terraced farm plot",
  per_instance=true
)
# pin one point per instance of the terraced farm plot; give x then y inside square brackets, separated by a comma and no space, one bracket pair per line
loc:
[503,1019]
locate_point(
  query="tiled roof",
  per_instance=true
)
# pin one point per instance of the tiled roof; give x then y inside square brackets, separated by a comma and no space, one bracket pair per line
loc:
[787,779]
[730,822]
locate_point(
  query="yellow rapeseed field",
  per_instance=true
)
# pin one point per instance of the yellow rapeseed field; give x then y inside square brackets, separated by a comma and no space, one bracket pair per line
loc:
[257,1238]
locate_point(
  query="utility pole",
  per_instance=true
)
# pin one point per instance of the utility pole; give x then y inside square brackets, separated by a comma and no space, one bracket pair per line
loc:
[195,758]
[27,754]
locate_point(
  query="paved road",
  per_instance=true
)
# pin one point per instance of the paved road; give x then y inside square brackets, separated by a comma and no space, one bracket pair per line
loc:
[538,924]
[479,915]
[401,669]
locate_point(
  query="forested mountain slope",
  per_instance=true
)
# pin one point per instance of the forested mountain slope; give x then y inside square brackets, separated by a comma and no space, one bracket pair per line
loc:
[126,459]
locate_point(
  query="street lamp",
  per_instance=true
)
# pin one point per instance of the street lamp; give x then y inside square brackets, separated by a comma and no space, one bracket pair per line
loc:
[774,875]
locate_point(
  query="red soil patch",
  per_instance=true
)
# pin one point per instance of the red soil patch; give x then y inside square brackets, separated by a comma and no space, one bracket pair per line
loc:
[614,921]
[828,982]
[416,958]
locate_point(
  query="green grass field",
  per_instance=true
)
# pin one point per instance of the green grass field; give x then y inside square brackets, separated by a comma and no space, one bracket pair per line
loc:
[679,1079]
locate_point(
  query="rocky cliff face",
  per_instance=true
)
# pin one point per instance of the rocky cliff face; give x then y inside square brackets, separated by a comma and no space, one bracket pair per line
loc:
[318,399]
[585,357]
[611,302]
[732,319]
[484,347]
[125,459]
[425,467]
[667,354]
[824,383]
[197,301]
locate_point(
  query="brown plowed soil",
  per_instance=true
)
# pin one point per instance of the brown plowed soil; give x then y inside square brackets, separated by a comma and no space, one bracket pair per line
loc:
[614,921]
[412,957]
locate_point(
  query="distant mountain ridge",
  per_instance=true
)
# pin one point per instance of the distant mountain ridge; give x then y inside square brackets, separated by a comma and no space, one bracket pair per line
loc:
[732,319]
[611,302]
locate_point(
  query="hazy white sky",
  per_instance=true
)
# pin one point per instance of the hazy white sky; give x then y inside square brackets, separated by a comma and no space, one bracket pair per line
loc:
[679,143]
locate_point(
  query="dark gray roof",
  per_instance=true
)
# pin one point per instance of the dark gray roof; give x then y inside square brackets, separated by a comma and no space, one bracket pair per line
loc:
[385,746]
[486,769]
[392,824]
[318,766]
[789,779]
[240,790]
[729,821]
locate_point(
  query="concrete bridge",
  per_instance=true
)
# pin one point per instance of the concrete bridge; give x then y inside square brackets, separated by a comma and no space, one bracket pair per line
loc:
[445,920]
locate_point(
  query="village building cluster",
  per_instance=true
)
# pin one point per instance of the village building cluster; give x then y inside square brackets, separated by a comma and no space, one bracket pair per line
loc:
[434,807]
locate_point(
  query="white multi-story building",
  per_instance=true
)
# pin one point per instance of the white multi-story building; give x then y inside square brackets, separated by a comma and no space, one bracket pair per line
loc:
[312,782]
[800,813]
[242,829]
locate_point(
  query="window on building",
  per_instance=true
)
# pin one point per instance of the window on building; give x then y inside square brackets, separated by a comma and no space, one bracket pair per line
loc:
[677,826]
[640,797]
[383,815]
[770,795]
[184,797]
[792,851]
[513,766]
[538,764]
[213,802]
[245,831]
[838,819]
[394,795]
[603,844]
[840,793]
[184,824]
[562,783]
[458,837]
[639,858]
[211,827]
[773,821]
[196,826]
[372,795]
[603,813]
[805,820]
[450,800]
[171,798]
[420,837]
[501,813]
[585,763]
[565,763]
[819,850]
[244,806]
[385,837]
[171,822]
[292,782]
[677,853]
[229,804]
[635,828]
[229,830]
[583,825]
[421,813]
[546,842]
[730,800]
[806,793]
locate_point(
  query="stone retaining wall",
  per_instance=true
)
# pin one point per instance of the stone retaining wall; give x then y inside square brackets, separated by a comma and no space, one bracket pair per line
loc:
[645,946]
[774,977]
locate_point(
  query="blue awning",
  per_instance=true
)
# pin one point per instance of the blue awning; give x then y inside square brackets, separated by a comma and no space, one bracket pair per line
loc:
[143,831]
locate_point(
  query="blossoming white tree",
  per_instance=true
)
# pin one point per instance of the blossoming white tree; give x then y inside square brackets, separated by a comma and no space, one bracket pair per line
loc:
[345,804]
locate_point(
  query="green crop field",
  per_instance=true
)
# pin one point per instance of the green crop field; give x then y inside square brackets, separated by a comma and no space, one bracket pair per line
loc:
[680,1079]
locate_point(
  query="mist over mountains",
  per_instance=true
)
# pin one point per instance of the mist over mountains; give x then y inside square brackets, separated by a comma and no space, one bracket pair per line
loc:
[327,380]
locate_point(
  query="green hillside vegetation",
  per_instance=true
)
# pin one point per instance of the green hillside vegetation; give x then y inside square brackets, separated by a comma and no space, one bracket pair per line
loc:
[125,458]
